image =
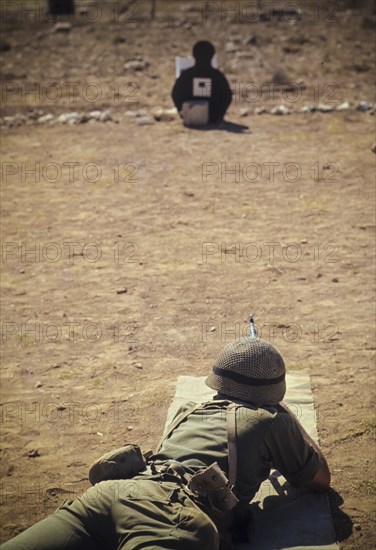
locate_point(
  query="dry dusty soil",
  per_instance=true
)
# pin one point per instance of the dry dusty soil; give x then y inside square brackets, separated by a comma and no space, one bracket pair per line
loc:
[132,253]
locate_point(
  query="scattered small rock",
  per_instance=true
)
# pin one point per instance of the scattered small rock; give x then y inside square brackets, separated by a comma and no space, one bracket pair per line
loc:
[46,118]
[244,111]
[105,116]
[335,280]
[280,110]
[324,108]
[345,106]
[213,329]
[363,106]
[373,148]
[95,115]
[33,453]
[130,428]
[357,527]
[231,47]
[10,471]
[309,108]
[38,385]
[144,121]
[71,118]
[142,112]
[252,40]
[62,26]
[165,115]
[101,116]
[61,407]
[261,110]
[136,65]
[56,366]
[138,365]
[121,291]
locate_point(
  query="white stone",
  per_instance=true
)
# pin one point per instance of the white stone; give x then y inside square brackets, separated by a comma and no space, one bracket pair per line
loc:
[345,106]
[280,110]
[69,117]
[105,116]
[46,118]
[95,114]
[62,26]
[144,121]
[136,65]
[324,108]
[309,108]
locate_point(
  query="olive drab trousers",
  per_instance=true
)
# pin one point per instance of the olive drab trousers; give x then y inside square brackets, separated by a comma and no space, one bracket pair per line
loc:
[139,513]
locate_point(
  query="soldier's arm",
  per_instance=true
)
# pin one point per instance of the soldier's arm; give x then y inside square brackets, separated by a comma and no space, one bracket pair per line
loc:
[321,480]
[295,454]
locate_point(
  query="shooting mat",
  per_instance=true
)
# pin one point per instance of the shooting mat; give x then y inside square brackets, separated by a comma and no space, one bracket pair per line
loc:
[286,518]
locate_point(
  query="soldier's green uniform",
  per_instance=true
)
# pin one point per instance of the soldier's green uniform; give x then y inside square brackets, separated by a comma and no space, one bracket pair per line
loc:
[156,510]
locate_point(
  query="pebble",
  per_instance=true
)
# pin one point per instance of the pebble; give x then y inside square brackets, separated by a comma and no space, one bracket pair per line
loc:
[231,47]
[95,115]
[38,385]
[33,453]
[144,121]
[324,108]
[121,291]
[72,118]
[46,118]
[136,65]
[142,112]
[335,280]
[373,148]
[62,27]
[261,110]
[280,110]
[138,365]
[165,115]
[105,116]
[345,106]
[244,111]
[251,40]
[363,106]
[61,407]
[357,527]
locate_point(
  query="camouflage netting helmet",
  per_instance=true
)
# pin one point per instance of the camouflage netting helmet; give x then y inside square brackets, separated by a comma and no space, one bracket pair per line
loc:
[249,369]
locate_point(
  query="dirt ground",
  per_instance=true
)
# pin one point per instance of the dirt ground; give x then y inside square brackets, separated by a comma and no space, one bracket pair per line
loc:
[132,254]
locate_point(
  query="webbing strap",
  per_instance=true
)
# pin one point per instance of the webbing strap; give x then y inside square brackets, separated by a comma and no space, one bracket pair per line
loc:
[231,443]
